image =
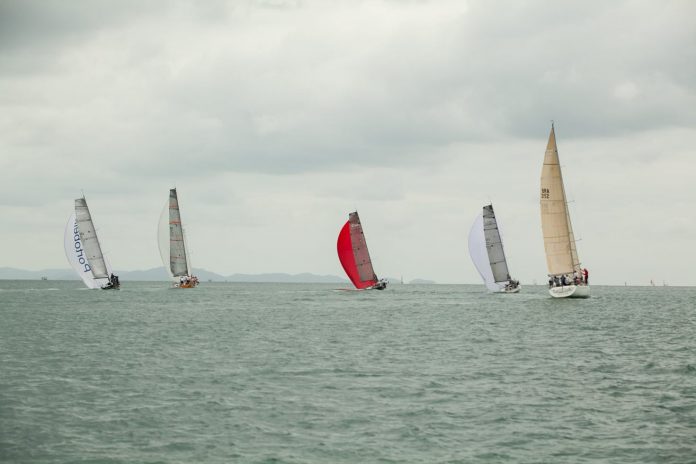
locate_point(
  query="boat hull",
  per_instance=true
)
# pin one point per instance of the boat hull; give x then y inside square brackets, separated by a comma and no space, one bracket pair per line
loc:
[512,290]
[570,291]
[192,282]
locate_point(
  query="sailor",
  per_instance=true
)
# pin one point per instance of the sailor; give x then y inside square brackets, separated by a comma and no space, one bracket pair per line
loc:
[564,281]
[586,275]
[550,281]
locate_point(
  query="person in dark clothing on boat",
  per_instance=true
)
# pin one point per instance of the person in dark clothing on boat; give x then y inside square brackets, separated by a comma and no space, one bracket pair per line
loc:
[586,275]
[550,282]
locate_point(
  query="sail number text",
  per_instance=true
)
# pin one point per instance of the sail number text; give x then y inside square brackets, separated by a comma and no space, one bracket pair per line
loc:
[545,193]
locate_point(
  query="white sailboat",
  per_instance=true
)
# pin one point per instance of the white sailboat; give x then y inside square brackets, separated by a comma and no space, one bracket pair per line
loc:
[84,252]
[565,272]
[173,246]
[487,254]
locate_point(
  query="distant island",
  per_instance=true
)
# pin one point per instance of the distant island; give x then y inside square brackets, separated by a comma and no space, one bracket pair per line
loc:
[422,281]
[159,274]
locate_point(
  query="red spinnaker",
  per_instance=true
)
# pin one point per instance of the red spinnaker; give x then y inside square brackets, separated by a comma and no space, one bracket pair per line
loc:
[347,250]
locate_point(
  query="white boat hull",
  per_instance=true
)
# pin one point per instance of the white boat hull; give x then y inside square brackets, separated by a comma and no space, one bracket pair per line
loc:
[513,290]
[570,291]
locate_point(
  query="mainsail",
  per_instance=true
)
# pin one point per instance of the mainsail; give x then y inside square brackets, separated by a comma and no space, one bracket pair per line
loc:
[354,255]
[90,242]
[559,241]
[171,238]
[494,246]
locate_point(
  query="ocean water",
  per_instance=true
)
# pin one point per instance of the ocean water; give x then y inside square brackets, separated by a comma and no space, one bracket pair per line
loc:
[287,373]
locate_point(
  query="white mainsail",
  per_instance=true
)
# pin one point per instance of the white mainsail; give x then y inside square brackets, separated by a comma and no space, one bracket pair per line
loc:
[171,239]
[494,246]
[559,241]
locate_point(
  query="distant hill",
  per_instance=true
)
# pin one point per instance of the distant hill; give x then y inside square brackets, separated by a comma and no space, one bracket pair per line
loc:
[159,274]
[422,281]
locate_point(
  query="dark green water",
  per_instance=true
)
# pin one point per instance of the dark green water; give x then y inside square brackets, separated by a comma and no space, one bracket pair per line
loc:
[273,373]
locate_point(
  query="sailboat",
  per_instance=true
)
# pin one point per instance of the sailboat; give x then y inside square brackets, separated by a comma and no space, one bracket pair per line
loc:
[355,257]
[565,273]
[486,251]
[173,246]
[84,252]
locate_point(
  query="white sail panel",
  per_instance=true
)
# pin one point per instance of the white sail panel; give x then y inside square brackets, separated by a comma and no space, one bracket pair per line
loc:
[178,263]
[479,255]
[77,257]
[90,242]
[494,246]
[163,238]
[559,241]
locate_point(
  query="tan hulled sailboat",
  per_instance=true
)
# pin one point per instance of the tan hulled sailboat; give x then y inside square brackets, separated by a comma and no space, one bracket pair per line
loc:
[566,277]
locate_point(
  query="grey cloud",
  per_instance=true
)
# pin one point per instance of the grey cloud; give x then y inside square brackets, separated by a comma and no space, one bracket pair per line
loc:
[278,96]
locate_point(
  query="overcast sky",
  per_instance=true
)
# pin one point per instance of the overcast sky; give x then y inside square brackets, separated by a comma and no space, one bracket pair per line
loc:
[275,119]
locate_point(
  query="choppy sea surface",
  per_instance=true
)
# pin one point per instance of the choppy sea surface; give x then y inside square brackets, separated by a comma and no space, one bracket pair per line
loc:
[288,373]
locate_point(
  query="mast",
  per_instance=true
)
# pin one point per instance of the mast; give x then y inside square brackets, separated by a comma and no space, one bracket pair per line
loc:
[494,246]
[88,237]
[559,240]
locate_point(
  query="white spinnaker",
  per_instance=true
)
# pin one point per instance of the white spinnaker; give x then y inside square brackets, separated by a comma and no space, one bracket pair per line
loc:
[77,257]
[163,239]
[479,255]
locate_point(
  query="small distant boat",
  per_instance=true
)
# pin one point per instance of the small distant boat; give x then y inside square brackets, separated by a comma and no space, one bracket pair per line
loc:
[44,278]
[172,245]
[355,257]
[565,273]
[84,252]
[487,254]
